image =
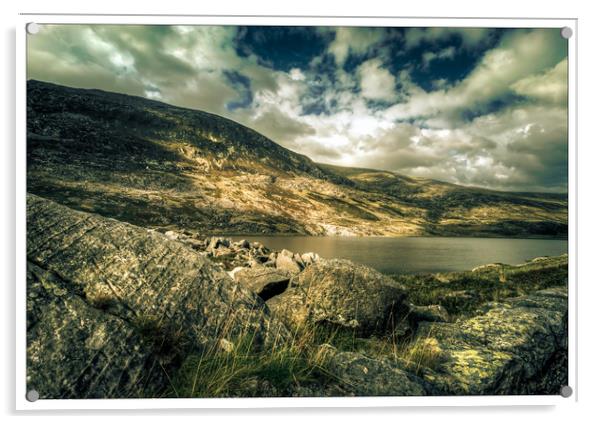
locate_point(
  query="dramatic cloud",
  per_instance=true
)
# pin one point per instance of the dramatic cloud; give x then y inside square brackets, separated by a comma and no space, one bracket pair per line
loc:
[354,40]
[476,106]
[551,85]
[376,82]
[470,37]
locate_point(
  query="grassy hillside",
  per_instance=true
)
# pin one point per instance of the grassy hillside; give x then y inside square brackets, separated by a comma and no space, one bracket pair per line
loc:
[160,166]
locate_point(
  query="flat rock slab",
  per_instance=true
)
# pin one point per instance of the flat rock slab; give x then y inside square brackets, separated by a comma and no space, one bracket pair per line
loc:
[364,376]
[509,349]
[98,288]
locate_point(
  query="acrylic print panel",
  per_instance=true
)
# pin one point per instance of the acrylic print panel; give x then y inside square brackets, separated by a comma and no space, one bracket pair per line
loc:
[239,211]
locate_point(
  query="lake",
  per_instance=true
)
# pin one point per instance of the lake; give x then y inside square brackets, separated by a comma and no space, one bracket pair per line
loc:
[418,254]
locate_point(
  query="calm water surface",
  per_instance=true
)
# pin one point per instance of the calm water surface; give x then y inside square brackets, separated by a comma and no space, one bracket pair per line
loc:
[418,254]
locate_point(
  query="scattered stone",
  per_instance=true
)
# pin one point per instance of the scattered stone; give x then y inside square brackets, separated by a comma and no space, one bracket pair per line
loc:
[226,345]
[286,262]
[217,242]
[286,253]
[171,235]
[243,244]
[310,258]
[236,270]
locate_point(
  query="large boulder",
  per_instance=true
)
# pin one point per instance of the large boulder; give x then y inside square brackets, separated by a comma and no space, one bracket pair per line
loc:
[518,346]
[263,281]
[112,309]
[341,293]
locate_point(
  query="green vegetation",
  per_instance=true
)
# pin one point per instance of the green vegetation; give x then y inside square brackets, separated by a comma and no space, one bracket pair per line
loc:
[241,368]
[238,367]
[166,342]
[463,293]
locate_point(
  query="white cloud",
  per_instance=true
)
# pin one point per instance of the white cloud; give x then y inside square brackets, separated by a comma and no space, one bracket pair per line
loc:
[353,40]
[518,56]
[550,86]
[521,146]
[376,82]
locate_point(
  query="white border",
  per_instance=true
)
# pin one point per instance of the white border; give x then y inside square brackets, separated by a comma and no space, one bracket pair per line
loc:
[23,404]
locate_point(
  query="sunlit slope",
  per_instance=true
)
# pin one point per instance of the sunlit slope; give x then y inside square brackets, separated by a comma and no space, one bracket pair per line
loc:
[162,166]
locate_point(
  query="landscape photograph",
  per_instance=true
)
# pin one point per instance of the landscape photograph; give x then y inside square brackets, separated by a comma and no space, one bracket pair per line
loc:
[279,211]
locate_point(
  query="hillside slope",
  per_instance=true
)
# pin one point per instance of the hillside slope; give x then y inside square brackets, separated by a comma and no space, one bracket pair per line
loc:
[165,167]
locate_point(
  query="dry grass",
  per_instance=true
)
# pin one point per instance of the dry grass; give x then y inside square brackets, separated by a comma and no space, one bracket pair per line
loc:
[236,366]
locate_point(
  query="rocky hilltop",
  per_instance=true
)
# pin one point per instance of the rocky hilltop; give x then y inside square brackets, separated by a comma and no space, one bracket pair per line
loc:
[170,168]
[117,310]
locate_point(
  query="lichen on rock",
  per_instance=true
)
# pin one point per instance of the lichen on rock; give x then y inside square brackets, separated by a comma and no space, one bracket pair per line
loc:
[342,293]
[110,299]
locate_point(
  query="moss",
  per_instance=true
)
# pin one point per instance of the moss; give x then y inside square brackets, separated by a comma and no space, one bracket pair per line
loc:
[424,353]
[464,293]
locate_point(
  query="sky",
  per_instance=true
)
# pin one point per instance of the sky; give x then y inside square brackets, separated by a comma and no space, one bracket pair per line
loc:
[474,106]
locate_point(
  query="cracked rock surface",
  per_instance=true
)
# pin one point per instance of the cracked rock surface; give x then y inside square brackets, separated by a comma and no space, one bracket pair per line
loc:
[113,307]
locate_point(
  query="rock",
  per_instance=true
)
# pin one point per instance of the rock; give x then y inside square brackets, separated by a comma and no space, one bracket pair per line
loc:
[507,350]
[226,345]
[285,261]
[194,243]
[339,292]
[286,253]
[363,376]
[310,258]
[113,309]
[76,350]
[172,235]
[265,282]
[216,242]
[299,260]
[431,313]
[540,259]
[223,251]
[254,262]
[290,307]
[488,267]
[236,270]
[244,244]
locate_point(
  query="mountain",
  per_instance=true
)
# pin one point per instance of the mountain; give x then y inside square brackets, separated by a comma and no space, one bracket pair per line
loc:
[171,168]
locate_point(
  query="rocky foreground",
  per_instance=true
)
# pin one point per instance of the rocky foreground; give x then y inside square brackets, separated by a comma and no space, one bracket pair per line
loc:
[116,310]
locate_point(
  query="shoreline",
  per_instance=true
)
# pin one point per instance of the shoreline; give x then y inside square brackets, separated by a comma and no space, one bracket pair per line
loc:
[521,237]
